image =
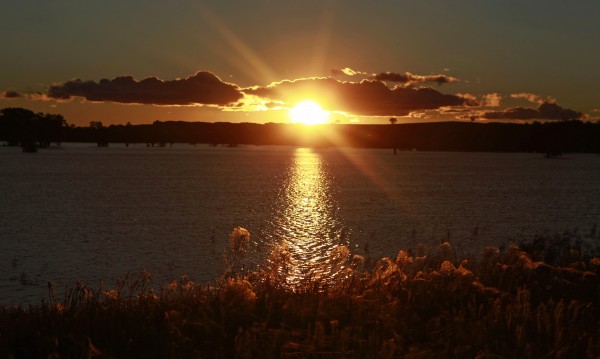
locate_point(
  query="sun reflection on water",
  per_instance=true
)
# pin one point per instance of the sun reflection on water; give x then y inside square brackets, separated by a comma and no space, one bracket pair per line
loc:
[307,224]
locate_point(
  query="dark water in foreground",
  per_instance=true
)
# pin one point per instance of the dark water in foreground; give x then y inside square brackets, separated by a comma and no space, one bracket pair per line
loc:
[85,213]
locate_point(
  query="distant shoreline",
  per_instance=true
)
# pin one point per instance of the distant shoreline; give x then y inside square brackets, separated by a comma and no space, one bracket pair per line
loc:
[549,138]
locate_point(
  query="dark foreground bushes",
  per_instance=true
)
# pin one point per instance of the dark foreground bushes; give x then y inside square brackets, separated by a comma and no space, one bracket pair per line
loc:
[422,304]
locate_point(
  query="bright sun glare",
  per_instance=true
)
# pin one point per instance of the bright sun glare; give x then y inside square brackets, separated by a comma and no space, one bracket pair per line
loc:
[308,113]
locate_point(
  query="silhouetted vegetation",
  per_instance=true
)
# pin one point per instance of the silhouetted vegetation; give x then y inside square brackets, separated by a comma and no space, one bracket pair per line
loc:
[551,138]
[20,126]
[425,303]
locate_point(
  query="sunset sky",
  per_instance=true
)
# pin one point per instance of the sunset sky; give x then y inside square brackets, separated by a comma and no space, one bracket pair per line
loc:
[251,61]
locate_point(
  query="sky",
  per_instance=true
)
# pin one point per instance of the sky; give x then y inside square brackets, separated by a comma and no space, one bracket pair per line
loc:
[252,61]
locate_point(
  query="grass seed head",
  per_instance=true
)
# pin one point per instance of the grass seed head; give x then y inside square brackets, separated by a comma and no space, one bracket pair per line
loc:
[239,239]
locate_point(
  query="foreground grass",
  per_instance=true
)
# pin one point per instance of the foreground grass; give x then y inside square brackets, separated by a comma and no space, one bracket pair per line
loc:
[422,304]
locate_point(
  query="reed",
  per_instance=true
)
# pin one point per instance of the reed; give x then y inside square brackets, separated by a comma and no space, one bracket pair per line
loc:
[423,303]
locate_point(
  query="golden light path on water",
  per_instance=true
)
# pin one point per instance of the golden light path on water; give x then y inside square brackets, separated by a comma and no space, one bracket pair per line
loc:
[307,225]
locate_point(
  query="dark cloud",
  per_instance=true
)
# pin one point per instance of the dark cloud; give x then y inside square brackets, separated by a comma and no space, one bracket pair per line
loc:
[201,88]
[10,94]
[392,77]
[545,111]
[408,78]
[368,97]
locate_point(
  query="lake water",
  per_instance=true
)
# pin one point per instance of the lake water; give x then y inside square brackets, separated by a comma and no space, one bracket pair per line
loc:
[87,214]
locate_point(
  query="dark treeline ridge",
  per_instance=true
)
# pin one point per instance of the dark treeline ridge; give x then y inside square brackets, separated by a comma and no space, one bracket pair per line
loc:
[23,127]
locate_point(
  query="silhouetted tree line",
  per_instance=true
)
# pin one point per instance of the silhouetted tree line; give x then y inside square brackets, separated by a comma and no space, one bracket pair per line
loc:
[22,127]
[19,126]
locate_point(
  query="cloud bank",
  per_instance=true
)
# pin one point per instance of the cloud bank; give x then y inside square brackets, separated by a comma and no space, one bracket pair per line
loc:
[545,111]
[367,97]
[202,88]
[381,94]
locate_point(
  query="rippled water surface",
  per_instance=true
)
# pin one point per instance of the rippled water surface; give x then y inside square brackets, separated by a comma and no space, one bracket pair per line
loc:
[88,214]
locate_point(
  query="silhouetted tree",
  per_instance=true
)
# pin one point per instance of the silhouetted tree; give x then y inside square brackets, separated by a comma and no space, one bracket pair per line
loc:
[14,125]
[101,133]
[19,126]
[50,129]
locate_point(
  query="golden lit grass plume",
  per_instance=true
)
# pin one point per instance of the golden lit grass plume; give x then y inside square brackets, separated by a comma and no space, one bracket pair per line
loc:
[424,303]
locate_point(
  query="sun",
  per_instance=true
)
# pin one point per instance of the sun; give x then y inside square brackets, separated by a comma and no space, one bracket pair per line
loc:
[309,113]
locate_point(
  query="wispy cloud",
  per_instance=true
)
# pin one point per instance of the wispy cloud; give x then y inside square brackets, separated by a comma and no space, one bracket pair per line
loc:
[346,71]
[409,79]
[405,78]
[201,88]
[531,97]
[486,100]
[491,100]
